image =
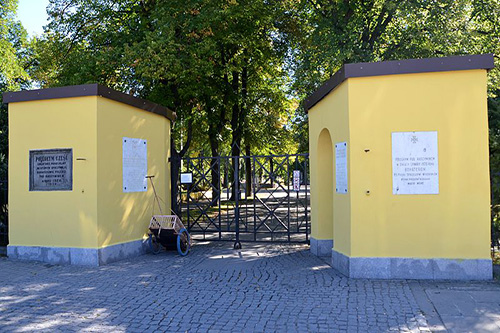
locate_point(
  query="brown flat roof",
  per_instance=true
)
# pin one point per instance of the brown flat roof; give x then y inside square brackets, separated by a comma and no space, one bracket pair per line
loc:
[408,66]
[87,90]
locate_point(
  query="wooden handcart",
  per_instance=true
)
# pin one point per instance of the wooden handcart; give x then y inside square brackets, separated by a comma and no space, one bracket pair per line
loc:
[167,231]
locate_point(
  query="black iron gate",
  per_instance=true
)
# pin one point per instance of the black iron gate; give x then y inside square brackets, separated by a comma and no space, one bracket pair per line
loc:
[246,198]
[4,214]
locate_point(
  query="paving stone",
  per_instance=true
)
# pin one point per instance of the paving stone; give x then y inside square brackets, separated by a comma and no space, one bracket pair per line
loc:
[216,289]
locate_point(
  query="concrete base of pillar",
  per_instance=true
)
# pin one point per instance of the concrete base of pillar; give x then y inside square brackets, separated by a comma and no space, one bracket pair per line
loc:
[411,268]
[321,247]
[78,256]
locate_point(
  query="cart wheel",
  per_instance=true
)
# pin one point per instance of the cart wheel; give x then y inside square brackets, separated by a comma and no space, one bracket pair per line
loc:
[183,242]
[154,245]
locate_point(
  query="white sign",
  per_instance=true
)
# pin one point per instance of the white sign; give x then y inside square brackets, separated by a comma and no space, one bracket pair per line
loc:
[186,178]
[415,163]
[341,167]
[296,180]
[135,165]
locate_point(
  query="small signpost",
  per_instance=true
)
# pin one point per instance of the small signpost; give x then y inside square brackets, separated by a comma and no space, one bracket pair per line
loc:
[296,180]
[187,178]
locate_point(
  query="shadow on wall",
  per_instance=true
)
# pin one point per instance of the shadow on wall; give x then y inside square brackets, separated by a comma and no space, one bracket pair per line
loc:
[325,185]
[124,217]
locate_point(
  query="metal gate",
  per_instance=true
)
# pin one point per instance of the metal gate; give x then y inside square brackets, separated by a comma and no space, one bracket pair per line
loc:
[4,214]
[246,198]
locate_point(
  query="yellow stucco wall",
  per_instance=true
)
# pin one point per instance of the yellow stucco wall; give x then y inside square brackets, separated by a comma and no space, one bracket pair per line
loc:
[331,115]
[323,185]
[53,218]
[124,217]
[96,213]
[452,224]
[364,112]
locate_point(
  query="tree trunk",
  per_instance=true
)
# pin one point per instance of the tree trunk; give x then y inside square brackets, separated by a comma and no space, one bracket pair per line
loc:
[175,167]
[236,134]
[248,171]
[235,152]
[215,171]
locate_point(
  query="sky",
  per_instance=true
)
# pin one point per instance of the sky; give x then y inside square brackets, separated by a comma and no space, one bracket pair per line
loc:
[33,15]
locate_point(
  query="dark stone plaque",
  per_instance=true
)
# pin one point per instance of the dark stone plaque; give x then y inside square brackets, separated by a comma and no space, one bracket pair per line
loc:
[51,170]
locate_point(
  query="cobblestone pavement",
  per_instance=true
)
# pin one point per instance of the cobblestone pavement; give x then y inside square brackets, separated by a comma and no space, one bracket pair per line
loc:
[260,288]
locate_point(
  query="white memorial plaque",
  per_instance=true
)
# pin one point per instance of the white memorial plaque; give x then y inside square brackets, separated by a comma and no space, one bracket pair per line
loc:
[135,165]
[341,167]
[415,163]
[186,178]
[296,180]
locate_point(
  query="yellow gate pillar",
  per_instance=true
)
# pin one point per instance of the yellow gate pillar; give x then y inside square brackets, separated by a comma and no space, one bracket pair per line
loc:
[406,194]
[77,160]
[322,227]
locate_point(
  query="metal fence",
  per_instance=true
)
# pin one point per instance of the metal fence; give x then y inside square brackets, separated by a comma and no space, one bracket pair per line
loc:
[301,201]
[495,210]
[246,198]
[4,213]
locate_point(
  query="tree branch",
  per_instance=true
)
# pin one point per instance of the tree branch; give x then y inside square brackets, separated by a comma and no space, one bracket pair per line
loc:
[380,26]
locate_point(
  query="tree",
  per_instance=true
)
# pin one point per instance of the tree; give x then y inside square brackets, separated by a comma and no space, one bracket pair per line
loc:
[335,32]
[14,50]
[329,33]
[214,62]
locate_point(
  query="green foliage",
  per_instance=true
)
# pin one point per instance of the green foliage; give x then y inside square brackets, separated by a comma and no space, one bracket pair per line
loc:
[336,32]
[192,55]
[14,59]
[329,33]
[218,64]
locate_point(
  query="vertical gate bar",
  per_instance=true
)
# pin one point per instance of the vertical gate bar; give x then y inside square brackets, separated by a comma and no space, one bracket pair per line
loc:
[239,182]
[270,195]
[297,206]
[306,205]
[188,193]
[246,208]
[270,159]
[229,189]
[179,193]
[237,244]
[201,169]
[254,187]
[219,195]
[297,194]
[227,194]
[246,194]
[288,193]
